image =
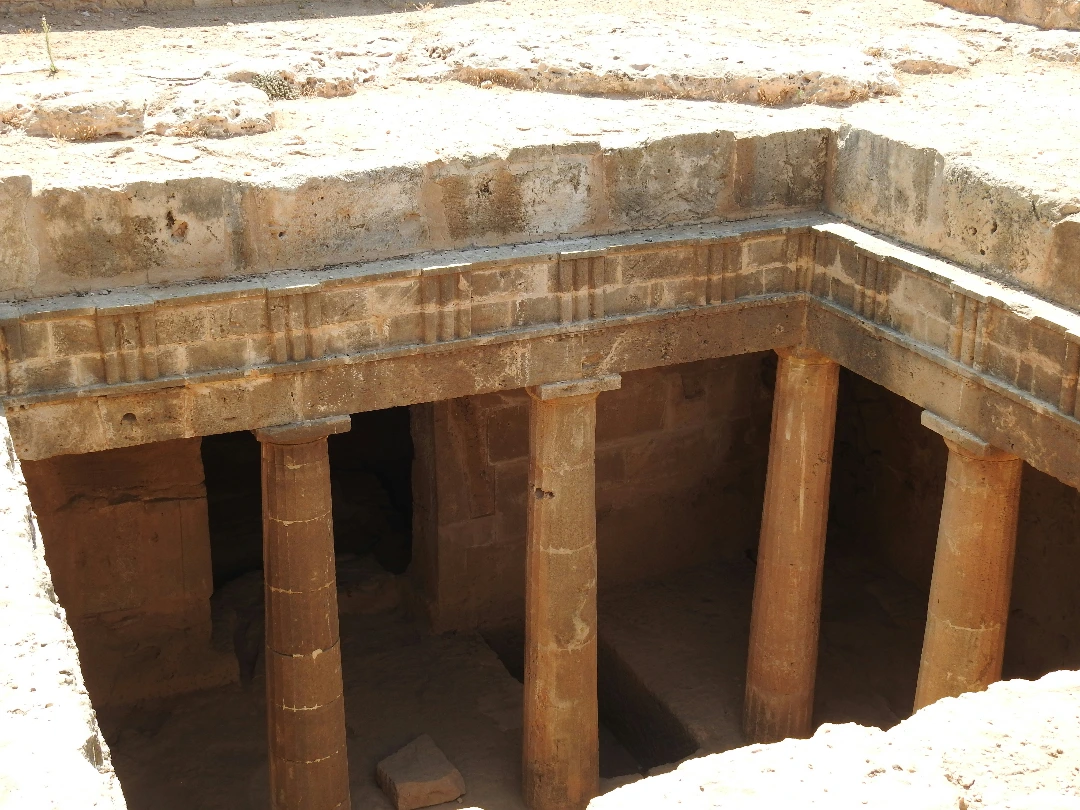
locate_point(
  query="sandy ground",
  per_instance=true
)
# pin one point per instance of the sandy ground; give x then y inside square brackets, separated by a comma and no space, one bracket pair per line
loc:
[1013,111]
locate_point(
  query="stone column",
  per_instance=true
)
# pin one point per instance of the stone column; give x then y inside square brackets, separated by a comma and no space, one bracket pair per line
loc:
[964,643]
[782,659]
[561,734]
[305,706]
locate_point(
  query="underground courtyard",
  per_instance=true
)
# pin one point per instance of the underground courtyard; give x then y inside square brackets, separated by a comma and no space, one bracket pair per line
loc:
[492,405]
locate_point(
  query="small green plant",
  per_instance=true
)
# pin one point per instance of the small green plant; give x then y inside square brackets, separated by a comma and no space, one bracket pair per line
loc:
[53,69]
[275,86]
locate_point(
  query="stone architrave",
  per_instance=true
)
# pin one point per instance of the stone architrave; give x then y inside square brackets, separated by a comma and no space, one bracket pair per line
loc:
[964,645]
[561,728]
[786,618]
[305,704]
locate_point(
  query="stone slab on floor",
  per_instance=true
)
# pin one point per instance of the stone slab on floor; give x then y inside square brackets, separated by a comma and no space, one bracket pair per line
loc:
[1013,746]
[419,775]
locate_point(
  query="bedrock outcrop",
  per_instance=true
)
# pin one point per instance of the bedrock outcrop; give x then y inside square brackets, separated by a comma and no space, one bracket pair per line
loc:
[1010,746]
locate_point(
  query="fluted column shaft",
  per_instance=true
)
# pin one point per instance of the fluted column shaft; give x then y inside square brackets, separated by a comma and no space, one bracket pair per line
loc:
[786,618]
[561,727]
[304,696]
[964,645]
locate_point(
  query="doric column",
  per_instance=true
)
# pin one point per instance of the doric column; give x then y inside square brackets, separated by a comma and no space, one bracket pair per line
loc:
[786,615]
[561,744]
[305,707]
[964,643]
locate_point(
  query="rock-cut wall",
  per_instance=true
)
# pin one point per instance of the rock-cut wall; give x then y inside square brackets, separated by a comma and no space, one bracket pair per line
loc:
[52,754]
[1043,13]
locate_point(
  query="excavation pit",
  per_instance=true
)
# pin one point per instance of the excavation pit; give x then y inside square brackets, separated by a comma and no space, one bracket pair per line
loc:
[590,387]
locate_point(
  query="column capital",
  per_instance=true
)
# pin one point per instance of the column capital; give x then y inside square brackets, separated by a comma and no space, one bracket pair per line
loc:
[962,441]
[575,388]
[802,354]
[302,432]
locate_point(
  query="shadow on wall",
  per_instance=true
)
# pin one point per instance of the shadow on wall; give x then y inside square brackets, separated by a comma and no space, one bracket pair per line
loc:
[888,484]
[370,468]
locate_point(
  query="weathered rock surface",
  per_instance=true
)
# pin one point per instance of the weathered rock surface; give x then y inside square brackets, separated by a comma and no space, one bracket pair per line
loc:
[1011,746]
[1043,13]
[211,109]
[75,110]
[933,52]
[419,775]
[1057,47]
[87,117]
[52,755]
[615,57]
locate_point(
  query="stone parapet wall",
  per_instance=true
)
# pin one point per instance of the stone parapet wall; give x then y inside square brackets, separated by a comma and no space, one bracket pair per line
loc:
[61,240]
[1043,13]
[53,756]
[955,208]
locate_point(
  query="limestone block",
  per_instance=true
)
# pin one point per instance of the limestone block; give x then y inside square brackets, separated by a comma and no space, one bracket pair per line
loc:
[211,109]
[18,255]
[95,237]
[353,214]
[419,775]
[949,206]
[87,116]
[784,169]
[533,192]
[683,178]
[1065,253]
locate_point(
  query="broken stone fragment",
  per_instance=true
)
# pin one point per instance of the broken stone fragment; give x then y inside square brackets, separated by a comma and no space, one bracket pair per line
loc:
[419,775]
[86,116]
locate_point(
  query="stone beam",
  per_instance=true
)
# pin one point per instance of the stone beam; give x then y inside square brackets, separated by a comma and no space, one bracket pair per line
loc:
[242,355]
[1003,416]
[405,376]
